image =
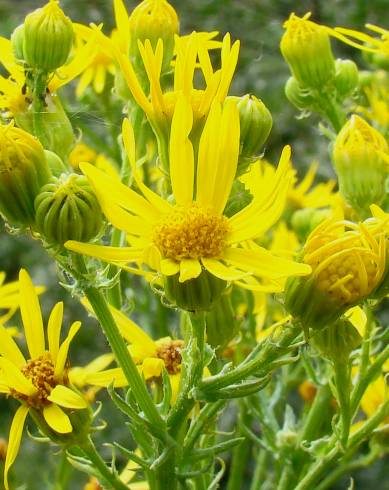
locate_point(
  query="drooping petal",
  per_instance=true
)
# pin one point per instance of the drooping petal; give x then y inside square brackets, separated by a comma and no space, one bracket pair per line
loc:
[57,419]
[65,397]
[9,349]
[112,190]
[15,436]
[54,330]
[15,379]
[230,57]
[181,152]
[218,269]
[64,349]
[31,316]
[189,269]
[169,267]
[261,262]
[122,24]
[116,255]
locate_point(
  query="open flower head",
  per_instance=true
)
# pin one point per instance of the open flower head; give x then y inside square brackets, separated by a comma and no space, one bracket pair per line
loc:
[193,235]
[40,380]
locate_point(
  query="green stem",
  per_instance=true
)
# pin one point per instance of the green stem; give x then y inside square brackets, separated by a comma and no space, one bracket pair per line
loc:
[326,461]
[123,357]
[64,471]
[39,89]
[88,448]
[240,454]
[342,378]
[192,373]
[272,349]
[332,111]
[315,415]
[260,468]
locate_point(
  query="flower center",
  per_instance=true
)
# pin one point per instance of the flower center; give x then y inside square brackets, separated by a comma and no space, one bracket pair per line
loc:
[41,373]
[191,232]
[170,352]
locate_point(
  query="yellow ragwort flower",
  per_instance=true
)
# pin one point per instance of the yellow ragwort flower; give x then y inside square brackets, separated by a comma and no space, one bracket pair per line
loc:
[192,235]
[39,382]
[363,41]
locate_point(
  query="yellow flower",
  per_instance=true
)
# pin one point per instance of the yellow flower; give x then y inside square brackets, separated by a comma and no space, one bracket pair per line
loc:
[99,67]
[191,52]
[377,111]
[40,381]
[83,153]
[193,235]
[363,41]
[150,356]
[375,395]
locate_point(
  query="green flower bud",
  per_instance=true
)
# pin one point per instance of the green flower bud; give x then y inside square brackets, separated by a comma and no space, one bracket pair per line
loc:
[255,125]
[23,171]
[48,38]
[153,20]
[221,323]
[200,294]
[337,341]
[304,221]
[17,40]
[307,49]
[346,77]
[298,96]
[67,209]
[360,158]
[56,132]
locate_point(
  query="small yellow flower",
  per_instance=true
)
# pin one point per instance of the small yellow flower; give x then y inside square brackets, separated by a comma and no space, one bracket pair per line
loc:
[193,235]
[39,382]
[84,153]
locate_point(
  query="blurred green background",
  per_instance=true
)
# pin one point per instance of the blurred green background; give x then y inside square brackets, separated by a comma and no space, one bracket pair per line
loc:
[262,71]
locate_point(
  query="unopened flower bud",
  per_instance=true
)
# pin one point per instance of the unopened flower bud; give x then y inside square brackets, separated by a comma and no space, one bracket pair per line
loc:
[67,209]
[297,95]
[56,165]
[23,171]
[348,263]
[200,294]
[17,40]
[306,48]
[153,20]
[48,38]
[346,77]
[337,341]
[360,158]
[304,221]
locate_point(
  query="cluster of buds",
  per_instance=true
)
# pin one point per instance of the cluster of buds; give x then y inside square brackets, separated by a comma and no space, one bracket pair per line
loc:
[348,264]
[306,48]
[360,157]
[37,191]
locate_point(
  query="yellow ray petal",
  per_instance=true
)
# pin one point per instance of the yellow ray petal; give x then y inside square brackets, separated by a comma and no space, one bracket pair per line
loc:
[175,380]
[31,316]
[129,145]
[105,378]
[9,349]
[54,330]
[57,419]
[133,333]
[152,367]
[262,263]
[65,397]
[122,24]
[64,349]
[181,152]
[115,255]
[218,269]
[189,269]
[15,436]
[169,267]
[15,379]
[229,61]
[113,190]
